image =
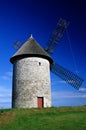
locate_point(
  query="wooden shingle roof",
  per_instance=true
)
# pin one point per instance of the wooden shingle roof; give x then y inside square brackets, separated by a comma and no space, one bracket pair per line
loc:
[31,49]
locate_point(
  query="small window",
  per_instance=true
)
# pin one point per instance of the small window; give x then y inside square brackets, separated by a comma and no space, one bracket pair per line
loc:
[39,63]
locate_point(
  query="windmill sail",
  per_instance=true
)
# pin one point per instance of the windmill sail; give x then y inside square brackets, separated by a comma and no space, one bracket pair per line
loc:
[17,44]
[56,35]
[68,76]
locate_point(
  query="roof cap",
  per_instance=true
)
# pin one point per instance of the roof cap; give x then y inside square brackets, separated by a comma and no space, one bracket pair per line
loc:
[31,36]
[31,49]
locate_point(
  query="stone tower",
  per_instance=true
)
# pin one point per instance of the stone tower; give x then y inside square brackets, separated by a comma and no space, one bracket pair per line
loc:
[31,76]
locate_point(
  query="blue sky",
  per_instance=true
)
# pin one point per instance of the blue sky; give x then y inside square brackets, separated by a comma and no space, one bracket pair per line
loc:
[20,17]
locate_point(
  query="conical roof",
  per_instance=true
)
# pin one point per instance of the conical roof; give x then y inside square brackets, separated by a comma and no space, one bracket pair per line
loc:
[31,49]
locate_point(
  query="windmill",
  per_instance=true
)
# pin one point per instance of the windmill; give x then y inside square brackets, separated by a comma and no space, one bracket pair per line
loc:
[31,68]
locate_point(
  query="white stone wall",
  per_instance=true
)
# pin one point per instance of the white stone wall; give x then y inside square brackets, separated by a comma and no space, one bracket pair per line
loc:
[31,79]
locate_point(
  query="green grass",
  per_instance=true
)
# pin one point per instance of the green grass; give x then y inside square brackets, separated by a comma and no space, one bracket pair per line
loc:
[62,118]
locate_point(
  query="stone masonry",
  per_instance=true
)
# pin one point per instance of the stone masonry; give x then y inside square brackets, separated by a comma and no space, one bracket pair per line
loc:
[31,79]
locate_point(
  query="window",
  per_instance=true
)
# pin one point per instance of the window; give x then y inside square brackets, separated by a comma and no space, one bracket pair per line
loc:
[39,63]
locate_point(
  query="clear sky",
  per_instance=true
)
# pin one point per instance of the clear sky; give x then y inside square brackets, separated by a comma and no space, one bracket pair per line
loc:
[20,17]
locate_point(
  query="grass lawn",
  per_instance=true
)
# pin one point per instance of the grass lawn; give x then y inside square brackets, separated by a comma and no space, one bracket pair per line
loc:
[62,118]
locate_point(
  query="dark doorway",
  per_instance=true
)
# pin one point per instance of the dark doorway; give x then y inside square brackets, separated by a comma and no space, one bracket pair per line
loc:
[40,102]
